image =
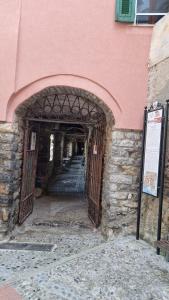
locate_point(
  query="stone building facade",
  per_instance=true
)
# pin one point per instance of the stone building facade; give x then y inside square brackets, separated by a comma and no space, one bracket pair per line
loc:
[121,178]
[82,51]
[158,90]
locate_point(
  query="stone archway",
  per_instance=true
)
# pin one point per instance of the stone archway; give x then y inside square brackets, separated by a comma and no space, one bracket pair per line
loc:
[121,167]
[64,105]
[61,103]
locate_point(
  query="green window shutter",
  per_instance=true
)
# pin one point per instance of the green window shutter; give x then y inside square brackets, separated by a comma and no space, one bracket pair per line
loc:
[125,11]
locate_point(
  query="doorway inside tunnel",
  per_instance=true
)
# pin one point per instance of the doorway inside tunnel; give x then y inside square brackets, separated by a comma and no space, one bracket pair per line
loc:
[63,160]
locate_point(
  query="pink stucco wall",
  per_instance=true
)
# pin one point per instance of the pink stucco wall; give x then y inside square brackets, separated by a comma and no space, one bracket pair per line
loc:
[75,43]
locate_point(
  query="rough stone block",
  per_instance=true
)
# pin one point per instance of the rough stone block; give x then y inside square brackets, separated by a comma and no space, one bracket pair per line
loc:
[6,155]
[7,138]
[5,188]
[118,135]
[132,135]
[6,177]
[121,179]
[120,152]
[135,179]
[115,169]
[125,161]
[5,200]
[120,195]
[9,147]
[129,204]
[8,127]
[7,165]
[5,214]
[18,164]
[112,187]
[17,174]
[16,194]
[124,143]
[130,170]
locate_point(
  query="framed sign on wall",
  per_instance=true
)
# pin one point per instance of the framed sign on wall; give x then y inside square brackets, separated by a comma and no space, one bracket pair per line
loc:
[152,172]
[152,152]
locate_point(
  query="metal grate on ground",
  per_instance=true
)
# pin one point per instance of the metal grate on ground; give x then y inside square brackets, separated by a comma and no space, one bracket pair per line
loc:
[26,246]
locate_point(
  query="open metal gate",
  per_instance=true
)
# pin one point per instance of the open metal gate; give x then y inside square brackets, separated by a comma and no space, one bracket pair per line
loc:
[94,173]
[64,108]
[28,173]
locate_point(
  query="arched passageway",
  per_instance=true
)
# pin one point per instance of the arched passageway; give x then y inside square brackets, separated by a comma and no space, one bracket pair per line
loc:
[64,134]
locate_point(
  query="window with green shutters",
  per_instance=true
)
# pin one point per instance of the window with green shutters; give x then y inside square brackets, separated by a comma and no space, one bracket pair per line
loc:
[141,11]
[125,11]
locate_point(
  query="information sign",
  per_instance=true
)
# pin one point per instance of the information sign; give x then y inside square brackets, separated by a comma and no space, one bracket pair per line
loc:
[152,152]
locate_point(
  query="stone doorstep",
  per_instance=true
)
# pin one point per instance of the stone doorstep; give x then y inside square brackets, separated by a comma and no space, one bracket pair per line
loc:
[9,293]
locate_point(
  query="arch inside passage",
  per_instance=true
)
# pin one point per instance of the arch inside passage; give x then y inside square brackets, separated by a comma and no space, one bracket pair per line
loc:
[79,144]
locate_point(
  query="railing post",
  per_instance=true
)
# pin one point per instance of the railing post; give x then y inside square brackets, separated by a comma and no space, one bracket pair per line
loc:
[141,177]
[163,158]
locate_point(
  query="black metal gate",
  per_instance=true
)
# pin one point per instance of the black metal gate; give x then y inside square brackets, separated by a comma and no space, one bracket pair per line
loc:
[94,173]
[28,173]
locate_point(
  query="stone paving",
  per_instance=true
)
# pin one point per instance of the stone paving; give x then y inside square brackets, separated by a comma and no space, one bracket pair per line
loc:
[84,266]
[81,264]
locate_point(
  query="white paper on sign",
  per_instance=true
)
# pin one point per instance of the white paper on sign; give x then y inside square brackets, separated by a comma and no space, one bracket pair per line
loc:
[95,149]
[33,141]
[152,152]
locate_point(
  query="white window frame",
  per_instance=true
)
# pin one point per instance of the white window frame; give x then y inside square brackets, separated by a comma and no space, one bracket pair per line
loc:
[145,14]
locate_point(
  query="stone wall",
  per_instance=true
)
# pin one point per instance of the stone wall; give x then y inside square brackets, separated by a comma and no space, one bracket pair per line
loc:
[120,186]
[158,86]
[158,90]
[10,174]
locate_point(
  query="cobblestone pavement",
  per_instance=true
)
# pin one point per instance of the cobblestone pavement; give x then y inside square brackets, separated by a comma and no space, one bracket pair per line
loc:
[81,265]
[84,266]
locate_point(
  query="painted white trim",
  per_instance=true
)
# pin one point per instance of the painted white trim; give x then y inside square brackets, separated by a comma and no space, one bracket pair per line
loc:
[135,20]
[145,14]
[151,14]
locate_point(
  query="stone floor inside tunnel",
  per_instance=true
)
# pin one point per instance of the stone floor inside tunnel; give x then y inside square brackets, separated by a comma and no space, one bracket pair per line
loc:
[71,178]
[59,210]
[61,207]
[64,205]
[54,214]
